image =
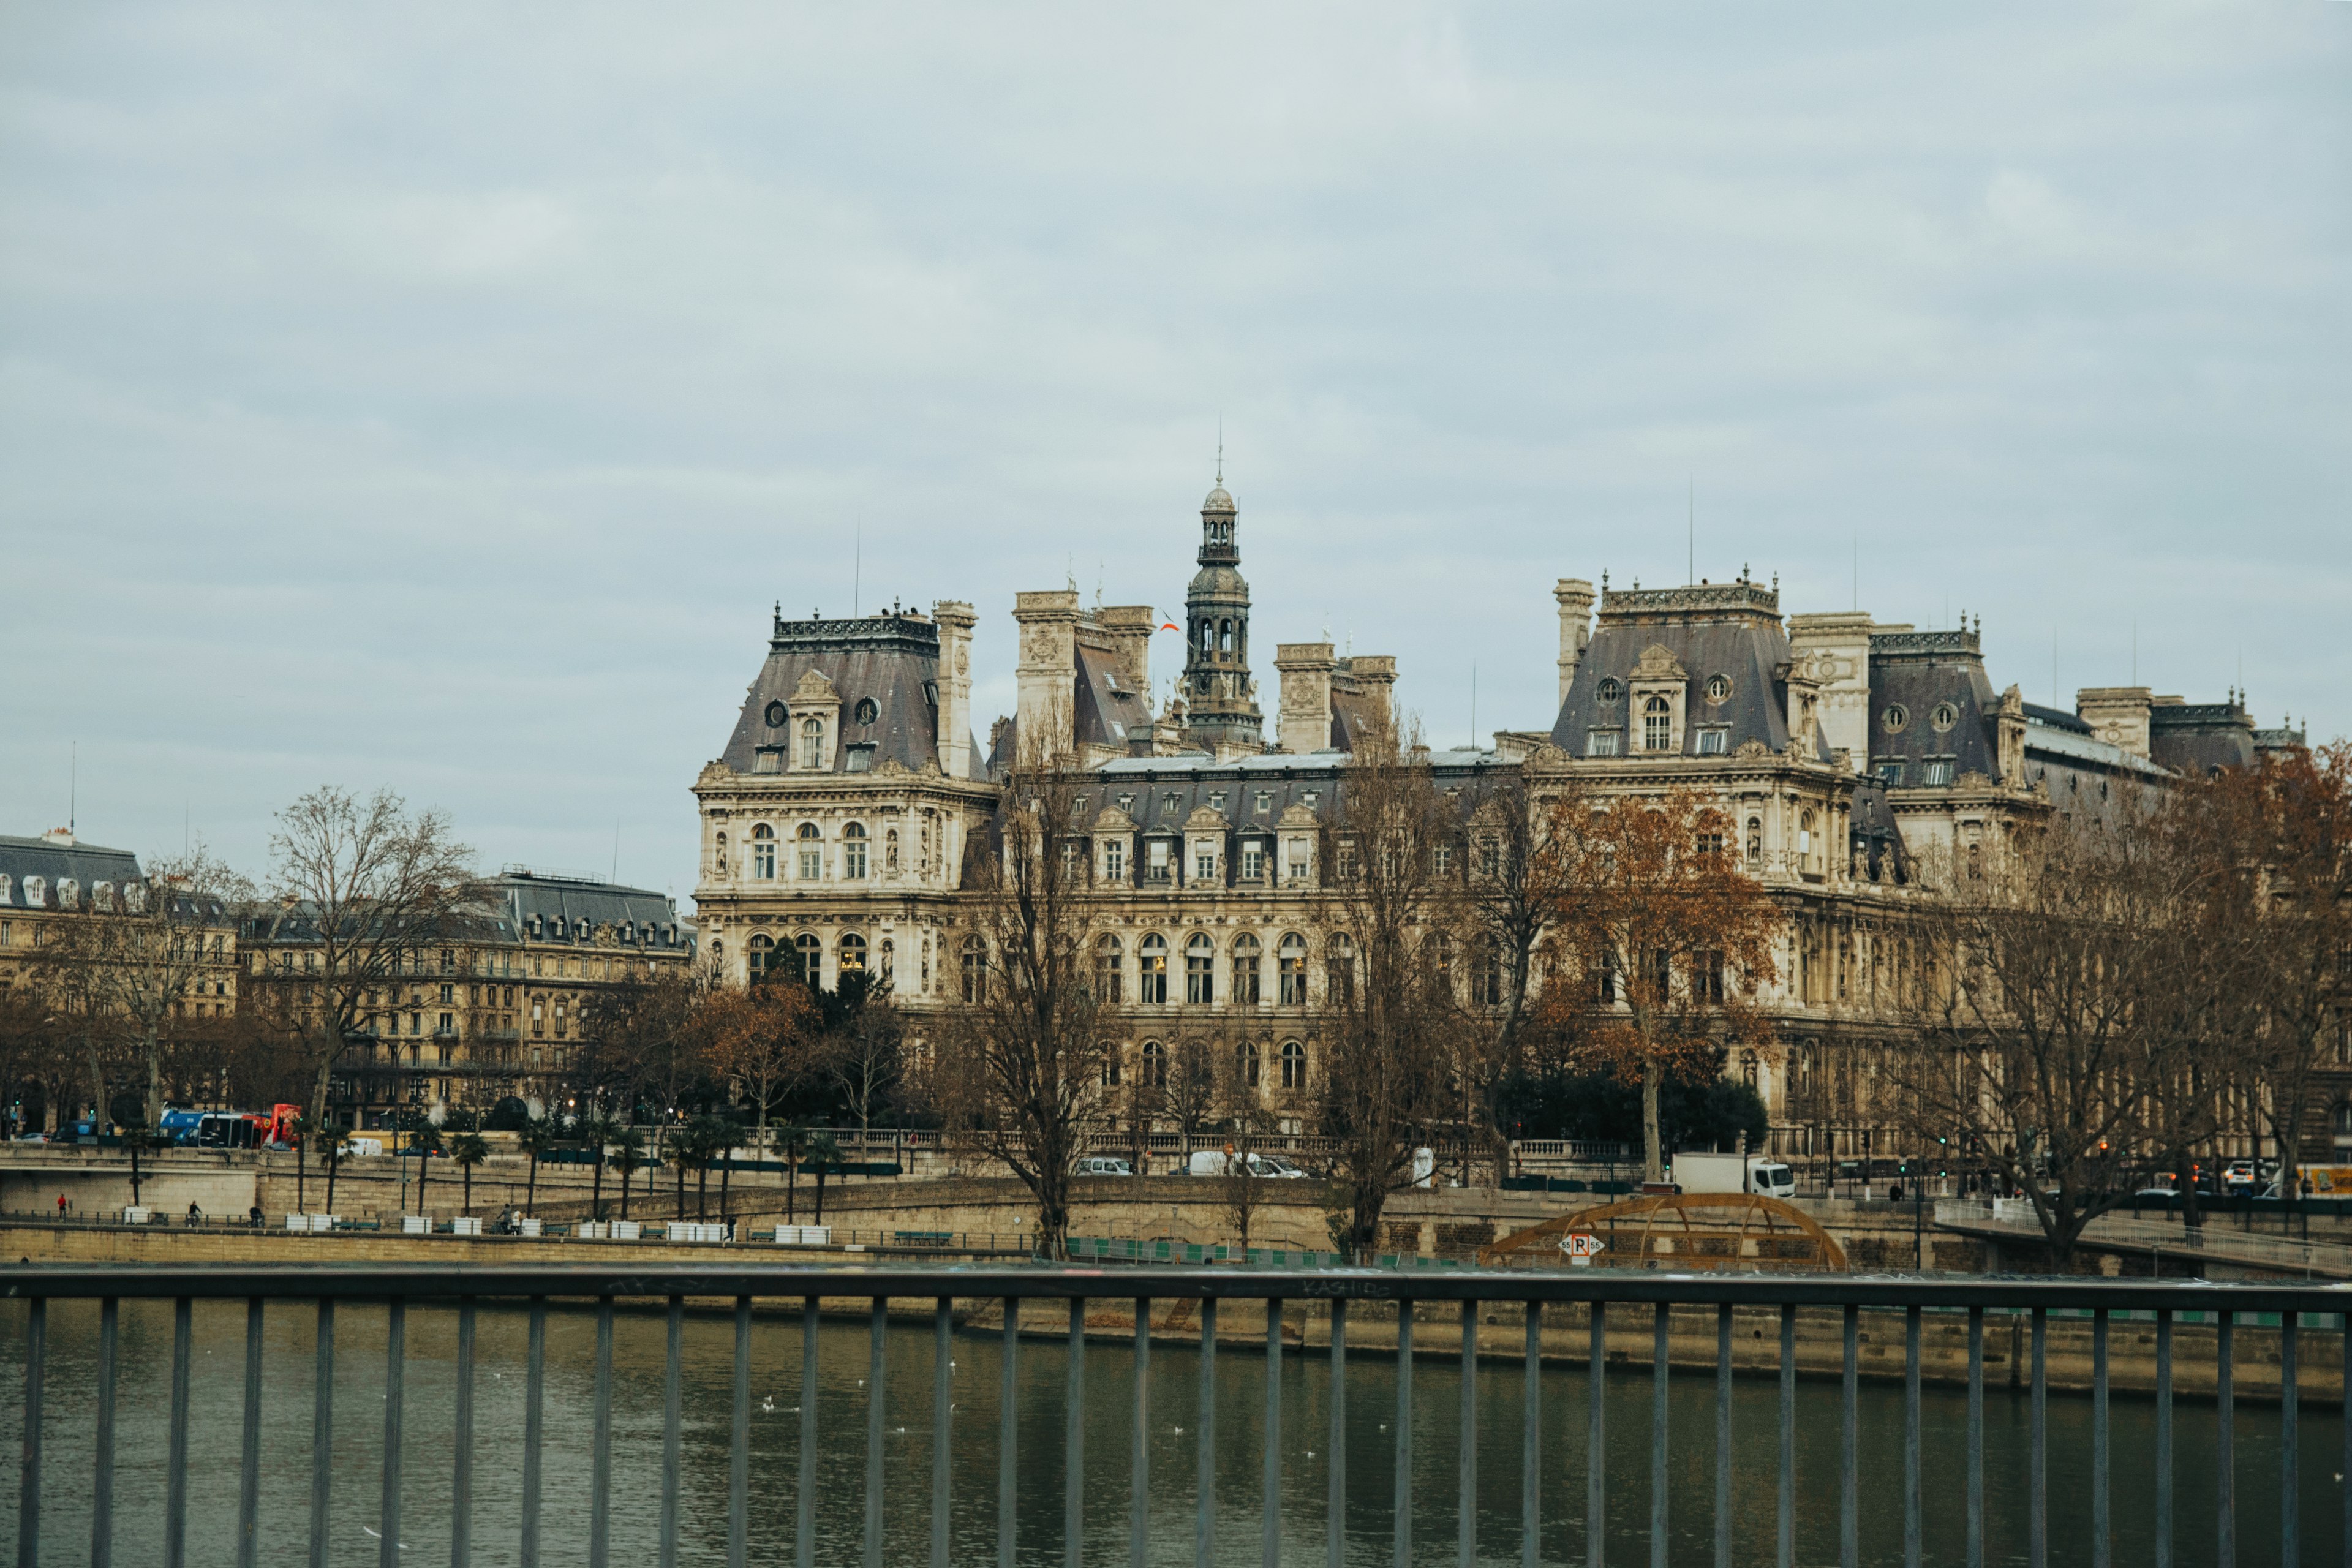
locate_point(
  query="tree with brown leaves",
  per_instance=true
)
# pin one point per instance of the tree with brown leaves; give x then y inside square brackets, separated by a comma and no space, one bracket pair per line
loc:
[2285,843]
[1662,940]
[762,1041]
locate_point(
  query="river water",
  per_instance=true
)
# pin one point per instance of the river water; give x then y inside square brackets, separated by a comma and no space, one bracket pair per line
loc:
[217,1418]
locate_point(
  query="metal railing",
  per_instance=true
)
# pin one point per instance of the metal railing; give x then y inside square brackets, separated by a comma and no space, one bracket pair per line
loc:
[1411,1296]
[2218,1240]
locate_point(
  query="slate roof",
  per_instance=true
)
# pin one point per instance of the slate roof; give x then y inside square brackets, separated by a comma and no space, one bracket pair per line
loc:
[1166,791]
[1918,674]
[1106,712]
[890,660]
[52,862]
[2199,737]
[1731,629]
[570,907]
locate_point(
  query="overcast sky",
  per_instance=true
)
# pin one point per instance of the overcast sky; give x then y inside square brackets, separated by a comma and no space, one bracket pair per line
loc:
[438,397]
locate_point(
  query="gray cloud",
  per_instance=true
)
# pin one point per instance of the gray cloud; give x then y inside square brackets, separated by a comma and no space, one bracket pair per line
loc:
[439,397]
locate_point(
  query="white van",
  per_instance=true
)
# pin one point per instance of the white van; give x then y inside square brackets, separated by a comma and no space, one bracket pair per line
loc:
[1103,1165]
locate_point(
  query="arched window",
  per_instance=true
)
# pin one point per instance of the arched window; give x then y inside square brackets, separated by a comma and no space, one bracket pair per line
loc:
[1110,968]
[1290,963]
[1340,968]
[1208,636]
[760,951]
[853,851]
[811,852]
[1247,1064]
[808,953]
[1245,970]
[1805,838]
[1151,966]
[811,742]
[976,970]
[891,852]
[1294,1065]
[2339,1122]
[1225,636]
[1155,1066]
[852,957]
[1438,951]
[1111,1066]
[1200,970]
[1657,724]
[763,851]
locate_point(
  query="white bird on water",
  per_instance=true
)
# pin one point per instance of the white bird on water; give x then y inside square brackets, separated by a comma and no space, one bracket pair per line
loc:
[379,1535]
[767,1404]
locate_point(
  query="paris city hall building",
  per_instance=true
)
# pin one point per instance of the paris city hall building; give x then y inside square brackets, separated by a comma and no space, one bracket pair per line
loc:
[836,821]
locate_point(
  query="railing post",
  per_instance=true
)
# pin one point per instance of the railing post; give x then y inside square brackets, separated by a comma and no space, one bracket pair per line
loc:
[1596,1452]
[1661,1365]
[876,1411]
[672,1375]
[805,1503]
[2225,1440]
[534,1422]
[1271,1524]
[2164,1437]
[1073,1444]
[1465,1525]
[28,1483]
[1336,1509]
[249,1473]
[1722,1435]
[1788,1510]
[600,1454]
[1530,1445]
[102,1501]
[739,1446]
[942,1421]
[395,1366]
[1204,1517]
[1139,1485]
[1403,1500]
[2101,1545]
[1849,1462]
[2289,1440]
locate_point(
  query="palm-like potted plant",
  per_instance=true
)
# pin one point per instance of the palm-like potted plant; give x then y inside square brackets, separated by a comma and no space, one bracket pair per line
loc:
[466,1150]
[628,1158]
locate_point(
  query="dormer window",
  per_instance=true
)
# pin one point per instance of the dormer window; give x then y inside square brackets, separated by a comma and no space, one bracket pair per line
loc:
[812,743]
[1714,742]
[1657,724]
[1609,689]
[1601,743]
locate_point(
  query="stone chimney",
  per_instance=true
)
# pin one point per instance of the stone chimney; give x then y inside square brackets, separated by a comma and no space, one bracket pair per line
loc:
[2117,714]
[1130,629]
[1375,677]
[1575,597]
[1832,650]
[1047,676]
[954,681]
[1303,722]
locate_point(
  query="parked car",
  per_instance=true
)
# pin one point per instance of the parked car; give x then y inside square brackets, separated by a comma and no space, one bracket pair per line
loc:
[2240,1175]
[1105,1166]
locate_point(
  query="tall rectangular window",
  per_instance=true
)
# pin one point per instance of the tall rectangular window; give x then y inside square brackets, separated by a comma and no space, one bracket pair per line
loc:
[1114,862]
[1253,860]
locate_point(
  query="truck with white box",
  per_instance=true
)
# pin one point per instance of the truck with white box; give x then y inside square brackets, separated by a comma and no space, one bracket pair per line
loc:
[1734,1174]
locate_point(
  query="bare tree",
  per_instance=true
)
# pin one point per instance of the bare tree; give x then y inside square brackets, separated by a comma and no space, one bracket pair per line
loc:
[863,1055]
[2068,1012]
[165,938]
[1392,1028]
[1191,1092]
[1508,887]
[1018,1057]
[364,885]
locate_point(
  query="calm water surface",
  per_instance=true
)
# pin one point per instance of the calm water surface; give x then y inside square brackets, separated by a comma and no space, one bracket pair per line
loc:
[217,1425]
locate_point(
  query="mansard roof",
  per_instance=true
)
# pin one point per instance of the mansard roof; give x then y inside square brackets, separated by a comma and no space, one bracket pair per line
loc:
[2199,737]
[1915,675]
[1729,629]
[60,858]
[888,660]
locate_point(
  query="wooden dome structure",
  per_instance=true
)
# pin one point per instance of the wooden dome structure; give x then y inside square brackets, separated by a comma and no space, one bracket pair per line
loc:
[1683,1231]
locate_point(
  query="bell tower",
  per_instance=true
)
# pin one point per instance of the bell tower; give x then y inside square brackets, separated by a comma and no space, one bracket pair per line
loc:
[1221,699]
